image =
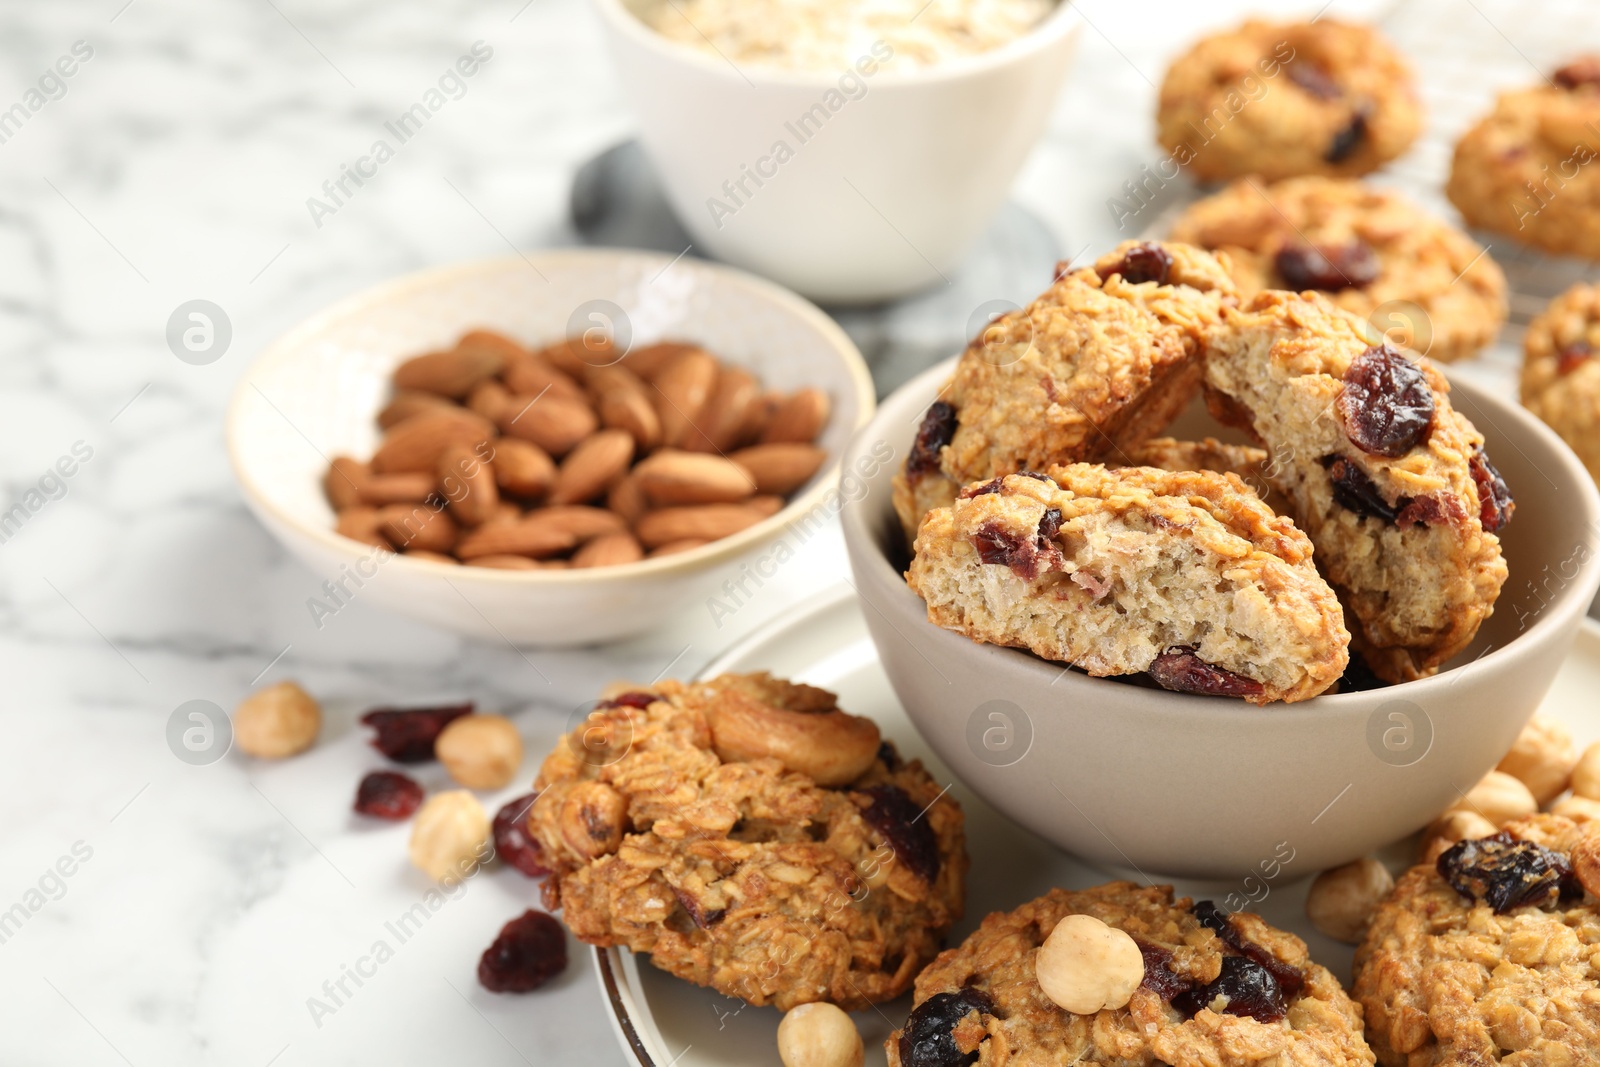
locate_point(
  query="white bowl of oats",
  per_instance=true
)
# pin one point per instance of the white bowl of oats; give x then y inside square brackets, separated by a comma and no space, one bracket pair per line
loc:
[850,149]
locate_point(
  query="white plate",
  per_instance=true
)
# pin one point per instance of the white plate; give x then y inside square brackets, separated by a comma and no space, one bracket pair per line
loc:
[661,1020]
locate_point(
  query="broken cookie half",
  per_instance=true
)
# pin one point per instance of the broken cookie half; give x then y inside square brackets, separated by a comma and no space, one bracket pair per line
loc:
[1182,575]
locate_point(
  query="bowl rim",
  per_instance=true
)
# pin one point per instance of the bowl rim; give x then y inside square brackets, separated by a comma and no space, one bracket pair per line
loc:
[1047,31]
[1176,708]
[704,557]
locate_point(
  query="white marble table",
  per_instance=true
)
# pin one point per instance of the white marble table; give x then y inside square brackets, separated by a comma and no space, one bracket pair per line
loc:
[206,905]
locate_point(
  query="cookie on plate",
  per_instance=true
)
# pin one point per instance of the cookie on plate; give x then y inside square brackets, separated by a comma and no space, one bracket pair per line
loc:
[1561,371]
[1277,100]
[1487,956]
[1528,169]
[1099,363]
[1424,283]
[1185,575]
[1218,991]
[1391,483]
[751,837]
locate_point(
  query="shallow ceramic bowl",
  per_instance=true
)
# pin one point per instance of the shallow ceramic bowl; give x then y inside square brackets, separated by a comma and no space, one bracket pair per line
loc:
[1204,787]
[314,393]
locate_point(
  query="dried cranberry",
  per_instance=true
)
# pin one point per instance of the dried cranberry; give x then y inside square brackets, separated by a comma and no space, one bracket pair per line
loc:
[1386,403]
[1354,491]
[1246,987]
[1180,670]
[1583,71]
[1328,268]
[1573,356]
[531,950]
[1358,677]
[982,488]
[699,914]
[1506,873]
[900,822]
[1348,140]
[1288,977]
[937,429]
[1159,977]
[1495,505]
[1049,526]
[926,1040]
[512,841]
[1142,263]
[1442,509]
[1315,80]
[406,735]
[388,795]
[635,699]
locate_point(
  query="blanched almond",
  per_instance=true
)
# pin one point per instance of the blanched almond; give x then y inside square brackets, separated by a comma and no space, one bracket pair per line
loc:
[489,399]
[522,468]
[417,443]
[627,499]
[530,376]
[608,550]
[361,524]
[417,528]
[554,423]
[672,548]
[408,487]
[524,537]
[670,477]
[451,374]
[682,389]
[725,413]
[506,563]
[468,484]
[344,480]
[593,467]
[800,418]
[780,468]
[407,403]
[708,522]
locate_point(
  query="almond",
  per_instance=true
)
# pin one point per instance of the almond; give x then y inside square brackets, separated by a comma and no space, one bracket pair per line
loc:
[532,376]
[780,468]
[522,468]
[766,505]
[672,548]
[344,480]
[417,443]
[506,563]
[409,487]
[577,354]
[524,537]
[608,550]
[725,413]
[799,418]
[759,416]
[555,424]
[682,389]
[632,412]
[417,528]
[692,478]
[506,512]
[627,499]
[360,524]
[582,522]
[647,361]
[433,557]
[468,483]
[406,403]
[489,399]
[709,522]
[451,374]
[490,341]
[593,467]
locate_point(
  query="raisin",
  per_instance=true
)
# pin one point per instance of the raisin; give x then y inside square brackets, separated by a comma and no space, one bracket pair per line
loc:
[926,1040]
[1159,977]
[1348,140]
[1506,873]
[638,698]
[1288,977]
[1246,987]
[1328,268]
[1049,526]
[982,488]
[1581,72]
[900,822]
[531,950]
[703,917]
[1358,677]
[1495,505]
[1142,263]
[1315,80]
[1026,558]
[1573,356]
[512,841]
[388,795]
[1356,492]
[938,427]
[1386,403]
[1180,670]
[1443,509]
[406,735]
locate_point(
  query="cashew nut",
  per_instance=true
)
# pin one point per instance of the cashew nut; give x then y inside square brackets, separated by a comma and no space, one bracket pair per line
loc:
[831,747]
[1086,966]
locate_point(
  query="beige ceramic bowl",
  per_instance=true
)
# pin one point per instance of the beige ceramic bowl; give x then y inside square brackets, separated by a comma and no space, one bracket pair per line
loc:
[1203,787]
[314,393]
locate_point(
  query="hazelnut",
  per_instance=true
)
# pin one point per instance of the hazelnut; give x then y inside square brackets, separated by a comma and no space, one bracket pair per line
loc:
[480,751]
[1452,827]
[450,836]
[818,1035]
[1578,809]
[1498,798]
[1586,775]
[1342,900]
[280,720]
[1585,860]
[1085,966]
[1542,758]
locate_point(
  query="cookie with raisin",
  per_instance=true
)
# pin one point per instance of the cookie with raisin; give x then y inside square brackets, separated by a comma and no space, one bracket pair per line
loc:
[1561,371]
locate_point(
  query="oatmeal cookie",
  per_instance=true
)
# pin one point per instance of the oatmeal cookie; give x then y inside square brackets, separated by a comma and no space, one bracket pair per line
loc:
[1531,168]
[1488,956]
[753,838]
[1390,482]
[1218,991]
[1561,371]
[1100,362]
[1426,284]
[1279,100]
[1185,575]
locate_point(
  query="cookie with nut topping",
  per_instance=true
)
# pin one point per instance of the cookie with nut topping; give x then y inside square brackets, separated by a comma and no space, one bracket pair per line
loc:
[1487,954]
[1374,253]
[752,837]
[1182,575]
[1205,988]
[1561,371]
[1389,481]
[1102,361]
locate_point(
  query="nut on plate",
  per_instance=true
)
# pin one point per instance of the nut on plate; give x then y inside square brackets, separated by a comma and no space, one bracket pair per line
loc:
[1342,900]
[1542,758]
[818,1035]
[280,720]
[1086,966]
[1586,775]
[1498,798]
[1452,828]
[480,751]
[450,836]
